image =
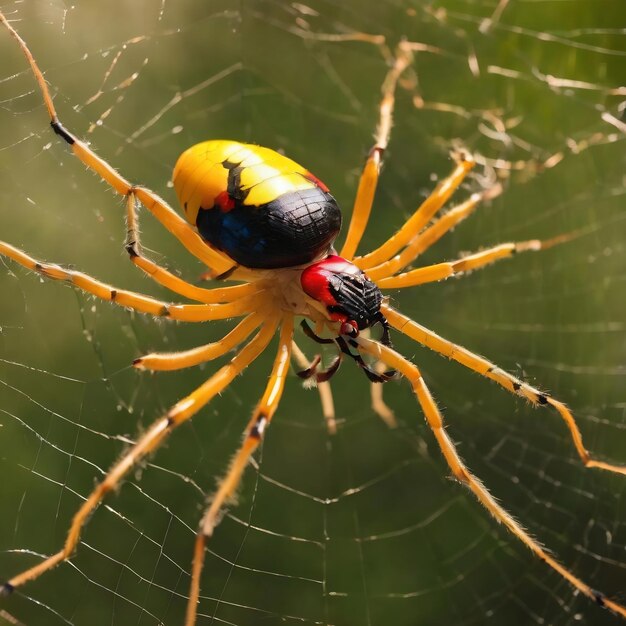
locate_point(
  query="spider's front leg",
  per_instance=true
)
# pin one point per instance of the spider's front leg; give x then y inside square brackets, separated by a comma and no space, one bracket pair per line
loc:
[486,368]
[260,420]
[434,419]
[369,177]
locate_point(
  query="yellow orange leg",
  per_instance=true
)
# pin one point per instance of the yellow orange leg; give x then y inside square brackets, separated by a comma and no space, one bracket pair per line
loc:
[324,389]
[425,240]
[369,177]
[421,217]
[218,262]
[468,263]
[260,420]
[178,360]
[148,442]
[166,278]
[462,473]
[489,370]
[130,299]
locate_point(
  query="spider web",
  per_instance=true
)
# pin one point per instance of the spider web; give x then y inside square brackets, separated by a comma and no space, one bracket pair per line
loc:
[364,527]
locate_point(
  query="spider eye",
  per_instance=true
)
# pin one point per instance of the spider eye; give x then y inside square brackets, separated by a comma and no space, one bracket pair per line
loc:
[349,329]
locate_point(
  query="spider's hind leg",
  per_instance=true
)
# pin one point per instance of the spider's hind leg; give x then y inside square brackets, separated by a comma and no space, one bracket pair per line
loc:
[257,425]
[164,277]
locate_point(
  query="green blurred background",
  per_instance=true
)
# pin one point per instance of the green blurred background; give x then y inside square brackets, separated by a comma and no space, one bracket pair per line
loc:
[363,528]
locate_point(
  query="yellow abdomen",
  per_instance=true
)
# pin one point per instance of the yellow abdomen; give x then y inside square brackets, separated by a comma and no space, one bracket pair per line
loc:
[256,205]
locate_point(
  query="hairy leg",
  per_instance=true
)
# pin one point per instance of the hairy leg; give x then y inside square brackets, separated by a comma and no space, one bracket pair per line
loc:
[148,442]
[260,420]
[215,260]
[369,178]
[489,370]
[131,299]
[463,475]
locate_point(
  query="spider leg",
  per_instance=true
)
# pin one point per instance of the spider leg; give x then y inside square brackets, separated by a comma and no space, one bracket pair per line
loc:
[325,375]
[130,299]
[311,369]
[462,473]
[369,372]
[468,263]
[369,177]
[260,420]
[165,277]
[148,442]
[425,239]
[489,370]
[156,205]
[421,217]
[379,406]
[310,333]
[320,376]
[323,388]
[178,360]
[429,236]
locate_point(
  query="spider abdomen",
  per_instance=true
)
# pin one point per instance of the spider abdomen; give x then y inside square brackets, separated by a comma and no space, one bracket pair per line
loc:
[259,207]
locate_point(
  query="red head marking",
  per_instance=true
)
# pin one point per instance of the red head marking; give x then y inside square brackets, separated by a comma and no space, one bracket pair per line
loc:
[316,280]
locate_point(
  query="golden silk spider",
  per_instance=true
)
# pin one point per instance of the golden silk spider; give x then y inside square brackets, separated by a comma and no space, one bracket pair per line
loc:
[256,217]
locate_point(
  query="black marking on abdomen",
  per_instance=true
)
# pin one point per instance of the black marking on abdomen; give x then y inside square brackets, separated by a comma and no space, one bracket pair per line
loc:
[233,186]
[293,229]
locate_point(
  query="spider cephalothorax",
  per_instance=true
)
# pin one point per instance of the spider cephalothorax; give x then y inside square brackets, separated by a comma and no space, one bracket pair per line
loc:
[351,299]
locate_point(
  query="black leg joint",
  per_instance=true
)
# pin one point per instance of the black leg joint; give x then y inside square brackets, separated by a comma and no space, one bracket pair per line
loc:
[131,248]
[379,149]
[256,432]
[370,373]
[6,590]
[598,597]
[60,130]
[312,369]
[326,375]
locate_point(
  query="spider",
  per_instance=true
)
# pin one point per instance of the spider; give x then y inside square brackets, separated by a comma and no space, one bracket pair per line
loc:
[256,217]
